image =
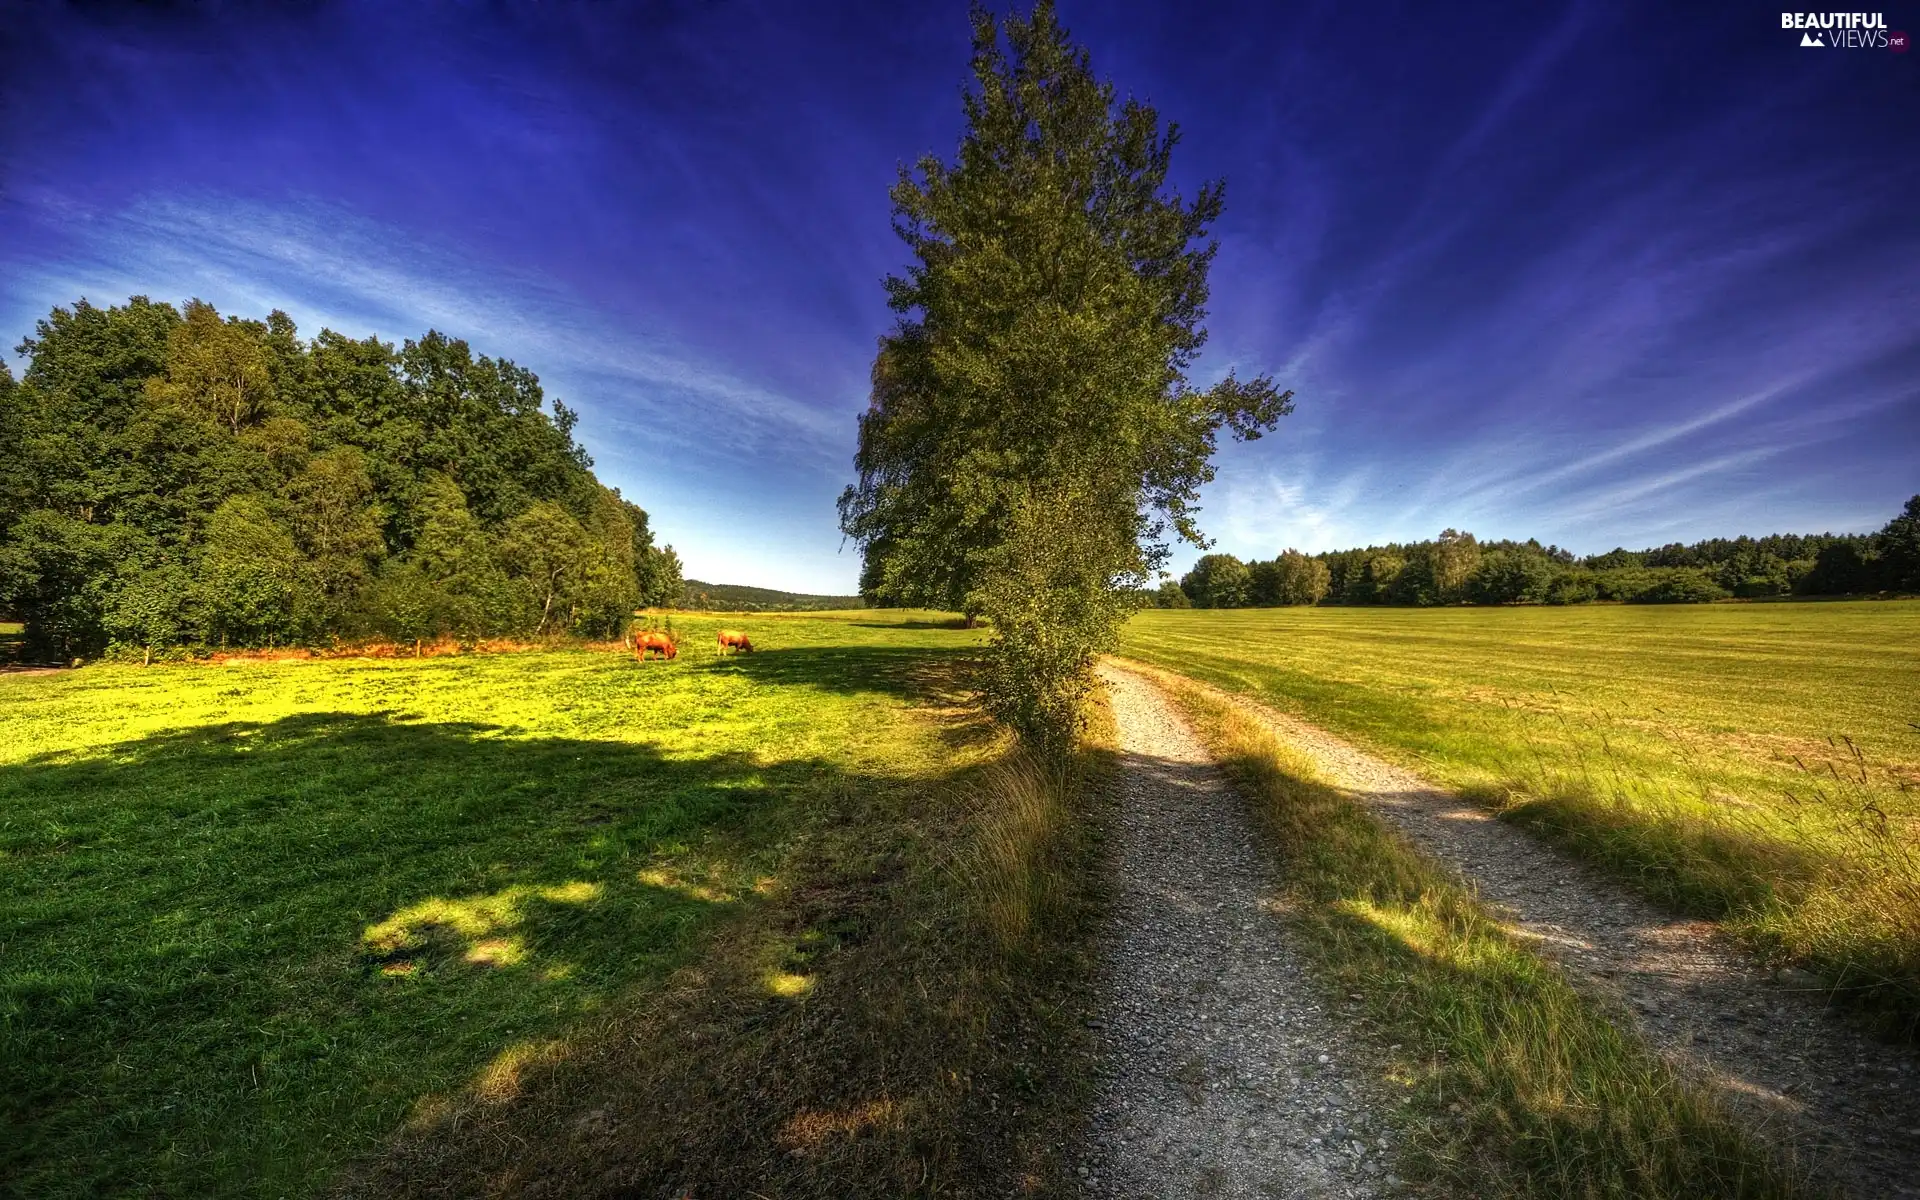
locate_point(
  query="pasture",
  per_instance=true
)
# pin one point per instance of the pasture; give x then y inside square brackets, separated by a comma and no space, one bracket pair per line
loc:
[272,925]
[1756,763]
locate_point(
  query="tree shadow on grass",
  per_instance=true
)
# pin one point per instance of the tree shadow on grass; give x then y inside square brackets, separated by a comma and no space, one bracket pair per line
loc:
[917,623]
[237,954]
[934,677]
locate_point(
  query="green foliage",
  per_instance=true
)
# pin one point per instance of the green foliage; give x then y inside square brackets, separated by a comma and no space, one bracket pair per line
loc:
[544,551]
[1841,568]
[734,597]
[1457,567]
[1379,575]
[1049,588]
[1658,585]
[251,578]
[1572,586]
[1454,558]
[1412,583]
[335,522]
[408,606]
[1900,550]
[1218,581]
[59,572]
[1680,585]
[277,477]
[153,607]
[1512,577]
[454,556]
[1171,595]
[1299,579]
[656,568]
[1032,441]
[1263,583]
[219,370]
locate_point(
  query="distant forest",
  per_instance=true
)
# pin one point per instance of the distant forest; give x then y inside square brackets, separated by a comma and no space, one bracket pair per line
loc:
[185,480]
[1456,568]
[735,597]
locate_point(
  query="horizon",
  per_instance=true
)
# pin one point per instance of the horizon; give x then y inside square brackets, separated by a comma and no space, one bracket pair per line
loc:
[1606,279]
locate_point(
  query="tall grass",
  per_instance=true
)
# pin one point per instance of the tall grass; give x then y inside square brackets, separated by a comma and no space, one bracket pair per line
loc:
[1018,870]
[1825,873]
[1755,765]
[1517,1084]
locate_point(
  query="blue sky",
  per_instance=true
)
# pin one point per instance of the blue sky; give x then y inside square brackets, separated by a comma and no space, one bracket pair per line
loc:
[1596,273]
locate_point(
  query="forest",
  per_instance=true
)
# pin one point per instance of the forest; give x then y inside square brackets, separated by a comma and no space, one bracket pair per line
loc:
[178,480]
[736,597]
[1456,568]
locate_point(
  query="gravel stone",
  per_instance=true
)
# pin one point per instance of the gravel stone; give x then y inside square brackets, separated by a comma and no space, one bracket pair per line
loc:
[1768,1043]
[1224,1074]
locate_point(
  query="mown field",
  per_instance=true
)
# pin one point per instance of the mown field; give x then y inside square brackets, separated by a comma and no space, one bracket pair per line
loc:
[425,926]
[1758,763]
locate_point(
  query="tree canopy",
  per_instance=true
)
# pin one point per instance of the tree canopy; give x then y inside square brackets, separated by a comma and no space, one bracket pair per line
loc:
[177,477]
[1033,442]
[1457,568]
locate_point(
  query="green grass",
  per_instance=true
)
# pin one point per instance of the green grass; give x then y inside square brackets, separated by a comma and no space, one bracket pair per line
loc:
[1517,1085]
[266,922]
[1755,763]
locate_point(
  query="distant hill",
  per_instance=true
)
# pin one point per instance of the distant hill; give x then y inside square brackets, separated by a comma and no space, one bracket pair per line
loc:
[736,597]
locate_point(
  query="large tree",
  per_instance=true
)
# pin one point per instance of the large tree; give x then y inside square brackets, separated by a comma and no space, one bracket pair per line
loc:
[1219,581]
[1033,442]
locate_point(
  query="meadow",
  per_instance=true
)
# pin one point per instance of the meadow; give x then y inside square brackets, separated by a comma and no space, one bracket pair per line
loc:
[380,925]
[1755,763]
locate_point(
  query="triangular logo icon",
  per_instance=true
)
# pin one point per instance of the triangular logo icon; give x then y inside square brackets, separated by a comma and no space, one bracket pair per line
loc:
[1807,39]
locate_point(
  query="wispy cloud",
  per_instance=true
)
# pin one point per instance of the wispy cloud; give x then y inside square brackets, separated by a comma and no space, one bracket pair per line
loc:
[1559,271]
[334,269]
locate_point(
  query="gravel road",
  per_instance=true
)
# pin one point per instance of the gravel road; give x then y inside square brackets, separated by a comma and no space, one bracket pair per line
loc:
[1771,1046]
[1227,1071]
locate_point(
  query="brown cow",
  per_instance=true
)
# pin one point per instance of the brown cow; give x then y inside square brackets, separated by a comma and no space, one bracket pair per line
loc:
[643,642]
[734,638]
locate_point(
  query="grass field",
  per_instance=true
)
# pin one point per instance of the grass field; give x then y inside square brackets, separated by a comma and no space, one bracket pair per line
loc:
[267,927]
[1756,763]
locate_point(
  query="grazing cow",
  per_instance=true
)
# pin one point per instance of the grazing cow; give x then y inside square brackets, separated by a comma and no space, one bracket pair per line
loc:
[734,638]
[643,642]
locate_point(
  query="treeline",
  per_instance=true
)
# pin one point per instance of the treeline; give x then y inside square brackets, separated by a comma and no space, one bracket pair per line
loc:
[183,479]
[737,597]
[1456,568]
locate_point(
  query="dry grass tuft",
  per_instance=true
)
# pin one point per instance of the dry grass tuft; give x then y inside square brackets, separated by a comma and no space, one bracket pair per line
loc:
[1018,869]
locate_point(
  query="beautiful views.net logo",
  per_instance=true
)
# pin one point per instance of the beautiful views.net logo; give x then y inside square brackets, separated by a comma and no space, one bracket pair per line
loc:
[1850,31]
